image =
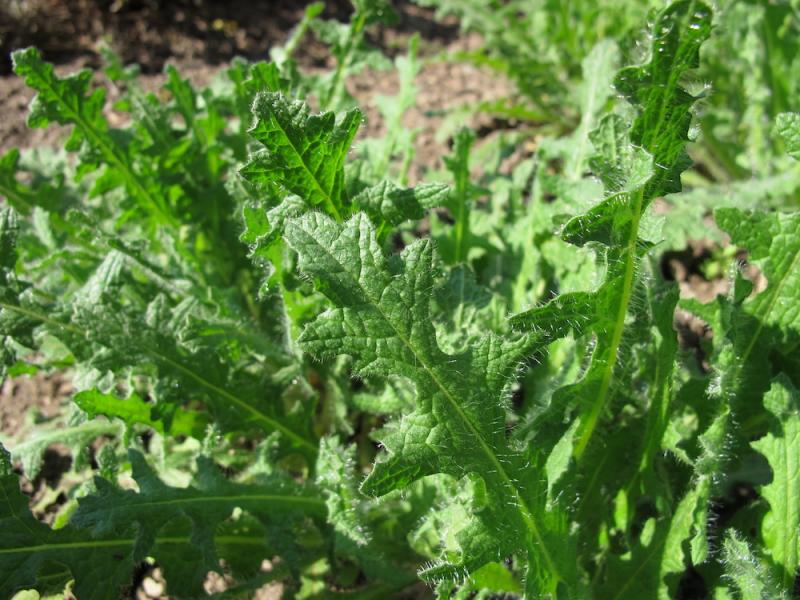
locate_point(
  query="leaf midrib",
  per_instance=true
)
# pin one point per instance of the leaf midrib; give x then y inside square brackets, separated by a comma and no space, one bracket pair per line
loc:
[785,490]
[90,427]
[109,151]
[317,503]
[616,338]
[258,415]
[229,540]
[15,195]
[328,201]
[790,529]
[521,505]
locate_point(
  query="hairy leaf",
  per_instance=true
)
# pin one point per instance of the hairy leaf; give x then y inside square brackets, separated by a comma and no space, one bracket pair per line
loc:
[69,101]
[394,205]
[781,447]
[788,126]
[381,318]
[747,571]
[302,153]
[114,529]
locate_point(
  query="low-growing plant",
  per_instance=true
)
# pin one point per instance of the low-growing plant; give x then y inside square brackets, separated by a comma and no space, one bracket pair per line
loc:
[543,47]
[291,368]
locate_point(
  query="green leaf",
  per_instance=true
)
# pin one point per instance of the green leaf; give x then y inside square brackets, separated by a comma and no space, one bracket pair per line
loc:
[599,68]
[17,194]
[335,466]
[747,571]
[617,400]
[27,546]
[180,347]
[781,447]
[69,101]
[769,321]
[398,141]
[302,153]
[179,344]
[262,229]
[352,54]
[75,436]
[387,202]
[712,460]
[133,410]
[621,165]
[183,95]
[381,317]
[772,244]
[183,528]
[660,128]
[643,571]
[16,323]
[788,126]
[464,308]
[460,203]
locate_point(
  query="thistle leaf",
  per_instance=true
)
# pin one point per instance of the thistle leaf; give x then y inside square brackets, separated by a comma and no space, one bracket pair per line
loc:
[751,327]
[660,128]
[75,436]
[114,529]
[392,204]
[781,447]
[69,101]
[135,411]
[747,571]
[381,319]
[302,153]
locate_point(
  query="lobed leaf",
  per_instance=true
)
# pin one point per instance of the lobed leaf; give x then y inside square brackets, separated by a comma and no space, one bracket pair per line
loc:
[114,529]
[302,153]
[392,204]
[780,528]
[69,101]
[788,126]
[746,570]
[381,319]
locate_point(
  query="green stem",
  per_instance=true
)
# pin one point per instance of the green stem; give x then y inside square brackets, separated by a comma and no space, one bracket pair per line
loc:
[354,36]
[312,11]
[599,402]
[14,197]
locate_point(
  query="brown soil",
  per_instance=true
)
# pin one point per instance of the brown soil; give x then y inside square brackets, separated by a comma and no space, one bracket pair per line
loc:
[21,395]
[151,32]
[201,36]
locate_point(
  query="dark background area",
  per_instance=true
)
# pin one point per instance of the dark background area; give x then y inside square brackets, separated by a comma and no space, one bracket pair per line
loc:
[150,32]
